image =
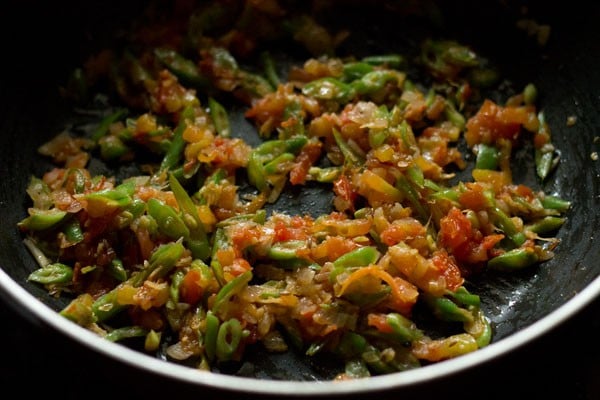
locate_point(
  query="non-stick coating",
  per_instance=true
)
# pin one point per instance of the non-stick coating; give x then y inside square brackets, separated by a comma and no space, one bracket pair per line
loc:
[565,72]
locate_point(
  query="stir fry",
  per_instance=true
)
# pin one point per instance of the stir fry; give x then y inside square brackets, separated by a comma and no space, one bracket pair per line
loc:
[187,254]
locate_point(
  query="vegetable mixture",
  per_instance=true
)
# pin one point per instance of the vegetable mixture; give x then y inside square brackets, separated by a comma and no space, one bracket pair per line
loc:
[186,256]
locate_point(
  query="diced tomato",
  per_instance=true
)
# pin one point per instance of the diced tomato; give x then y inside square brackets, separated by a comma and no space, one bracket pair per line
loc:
[308,156]
[493,122]
[455,229]
[190,290]
[332,248]
[402,229]
[473,198]
[239,266]
[448,268]
[379,322]
[342,187]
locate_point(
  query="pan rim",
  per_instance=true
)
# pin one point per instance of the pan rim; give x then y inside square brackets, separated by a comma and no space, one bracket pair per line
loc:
[12,292]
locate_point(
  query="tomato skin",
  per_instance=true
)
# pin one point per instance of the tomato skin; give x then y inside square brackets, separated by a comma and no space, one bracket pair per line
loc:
[308,156]
[190,291]
[342,187]
[467,245]
[493,122]
[455,230]
[402,229]
[448,268]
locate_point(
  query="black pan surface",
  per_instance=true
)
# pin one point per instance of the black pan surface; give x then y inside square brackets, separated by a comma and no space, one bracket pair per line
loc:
[564,70]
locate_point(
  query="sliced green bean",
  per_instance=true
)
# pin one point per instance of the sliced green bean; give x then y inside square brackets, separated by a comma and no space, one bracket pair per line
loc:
[186,70]
[175,150]
[555,203]
[514,260]
[196,239]
[211,334]
[232,288]
[79,310]
[359,257]
[102,128]
[219,117]
[168,220]
[404,330]
[228,339]
[487,157]
[329,88]
[52,274]
[126,332]
[117,271]
[269,69]
[395,61]
[546,225]
[40,220]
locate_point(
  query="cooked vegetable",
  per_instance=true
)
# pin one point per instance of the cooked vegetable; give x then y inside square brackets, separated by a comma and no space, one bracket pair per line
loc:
[186,253]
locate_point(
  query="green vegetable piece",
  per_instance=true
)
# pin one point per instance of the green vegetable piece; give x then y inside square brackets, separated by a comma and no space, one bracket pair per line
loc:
[196,240]
[117,270]
[185,70]
[545,161]
[447,310]
[329,88]
[324,175]
[454,116]
[555,203]
[351,345]
[162,260]
[168,220]
[126,332]
[514,260]
[268,152]
[176,279]
[374,81]
[285,250]
[546,225]
[79,310]
[487,157]
[351,157]
[463,297]
[211,335]
[360,257]
[404,330]
[413,196]
[219,117]
[395,61]
[269,69]
[51,274]
[219,242]
[175,150]
[506,224]
[112,148]
[232,288]
[119,197]
[356,369]
[254,85]
[73,232]
[102,128]
[40,220]
[106,306]
[228,339]
[356,70]
[529,94]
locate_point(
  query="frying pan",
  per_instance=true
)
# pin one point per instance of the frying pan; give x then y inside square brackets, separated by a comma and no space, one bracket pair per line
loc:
[522,306]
